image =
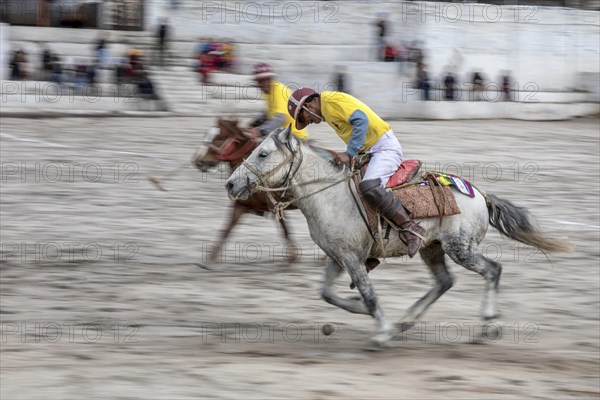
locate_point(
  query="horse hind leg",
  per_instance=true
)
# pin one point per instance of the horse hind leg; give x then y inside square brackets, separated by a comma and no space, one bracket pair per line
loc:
[465,253]
[433,257]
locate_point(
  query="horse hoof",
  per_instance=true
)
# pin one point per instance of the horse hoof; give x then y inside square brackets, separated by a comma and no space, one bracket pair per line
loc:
[491,317]
[404,326]
[383,339]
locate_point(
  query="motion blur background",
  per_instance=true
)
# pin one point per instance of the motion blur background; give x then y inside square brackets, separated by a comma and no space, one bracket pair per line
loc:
[99,294]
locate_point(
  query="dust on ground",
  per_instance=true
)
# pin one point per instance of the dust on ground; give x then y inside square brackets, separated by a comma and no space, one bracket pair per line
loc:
[100,297]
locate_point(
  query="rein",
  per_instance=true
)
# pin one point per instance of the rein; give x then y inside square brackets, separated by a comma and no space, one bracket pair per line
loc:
[226,152]
[279,206]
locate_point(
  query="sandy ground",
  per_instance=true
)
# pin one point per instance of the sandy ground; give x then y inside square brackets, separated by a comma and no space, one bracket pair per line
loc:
[100,298]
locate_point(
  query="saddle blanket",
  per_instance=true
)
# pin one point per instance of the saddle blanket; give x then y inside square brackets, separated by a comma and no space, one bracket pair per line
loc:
[460,184]
[421,200]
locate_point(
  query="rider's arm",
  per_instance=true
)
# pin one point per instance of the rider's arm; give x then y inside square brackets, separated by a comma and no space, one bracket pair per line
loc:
[360,125]
[258,121]
[271,124]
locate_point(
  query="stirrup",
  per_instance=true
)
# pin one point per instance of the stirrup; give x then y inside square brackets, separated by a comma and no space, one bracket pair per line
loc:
[414,233]
[400,230]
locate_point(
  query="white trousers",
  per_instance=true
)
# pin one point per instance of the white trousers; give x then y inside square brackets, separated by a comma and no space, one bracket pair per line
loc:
[386,158]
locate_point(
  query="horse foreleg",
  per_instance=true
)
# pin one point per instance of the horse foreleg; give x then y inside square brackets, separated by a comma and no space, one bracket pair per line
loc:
[359,276]
[433,256]
[353,305]
[236,212]
[292,250]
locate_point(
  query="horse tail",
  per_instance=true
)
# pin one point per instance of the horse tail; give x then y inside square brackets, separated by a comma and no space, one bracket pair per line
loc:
[517,223]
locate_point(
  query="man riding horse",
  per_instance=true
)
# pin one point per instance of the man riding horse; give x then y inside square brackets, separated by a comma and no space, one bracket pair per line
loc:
[364,132]
[276,95]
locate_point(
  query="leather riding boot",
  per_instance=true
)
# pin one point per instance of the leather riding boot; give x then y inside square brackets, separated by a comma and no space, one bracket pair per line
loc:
[391,208]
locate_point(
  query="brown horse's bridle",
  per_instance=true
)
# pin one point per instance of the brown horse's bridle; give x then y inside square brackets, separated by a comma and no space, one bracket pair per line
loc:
[227,150]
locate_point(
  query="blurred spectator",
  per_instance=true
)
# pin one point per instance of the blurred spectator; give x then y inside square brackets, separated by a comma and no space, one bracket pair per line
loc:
[506,83]
[121,70]
[101,52]
[146,87]
[340,79]
[175,4]
[228,56]
[147,91]
[449,86]
[130,69]
[46,64]
[418,55]
[477,84]
[381,32]
[135,69]
[91,74]
[163,37]
[213,56]
[390,53]
[423,81]
[207,65]
[81,75]
[57,69]
[402,55]
[18,65]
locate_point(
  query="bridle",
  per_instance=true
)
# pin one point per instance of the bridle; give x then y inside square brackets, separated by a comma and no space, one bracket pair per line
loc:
[226,151]
[291,173]
[279,206]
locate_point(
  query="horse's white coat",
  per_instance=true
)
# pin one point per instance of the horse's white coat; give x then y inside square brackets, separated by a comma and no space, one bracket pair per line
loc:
[336,226]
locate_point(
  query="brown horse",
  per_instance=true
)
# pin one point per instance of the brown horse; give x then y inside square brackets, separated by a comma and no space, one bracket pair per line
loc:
[231,145]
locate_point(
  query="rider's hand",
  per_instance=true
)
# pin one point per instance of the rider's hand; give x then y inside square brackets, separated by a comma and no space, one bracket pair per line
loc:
[342,159]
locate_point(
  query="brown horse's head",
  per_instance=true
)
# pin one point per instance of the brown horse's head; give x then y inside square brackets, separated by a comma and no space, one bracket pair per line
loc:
[227,144]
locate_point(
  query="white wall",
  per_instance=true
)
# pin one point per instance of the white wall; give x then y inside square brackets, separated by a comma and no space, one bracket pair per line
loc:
[544,46]
[5,51]
[545,49]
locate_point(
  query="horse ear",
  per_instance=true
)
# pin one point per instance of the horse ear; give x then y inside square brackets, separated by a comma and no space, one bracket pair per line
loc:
[286,134]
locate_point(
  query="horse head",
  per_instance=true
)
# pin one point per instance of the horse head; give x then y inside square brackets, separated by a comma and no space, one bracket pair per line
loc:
[225,142]
[272,164]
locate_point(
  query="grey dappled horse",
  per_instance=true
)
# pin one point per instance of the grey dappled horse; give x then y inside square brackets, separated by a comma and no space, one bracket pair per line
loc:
[322,193]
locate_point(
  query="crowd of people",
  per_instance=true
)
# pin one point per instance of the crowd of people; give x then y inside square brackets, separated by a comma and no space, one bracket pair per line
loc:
[476,85]
[80,72]
[411,57]
[214,56]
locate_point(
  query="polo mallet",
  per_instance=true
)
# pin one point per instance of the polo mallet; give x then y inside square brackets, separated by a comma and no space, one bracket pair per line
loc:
[158,183]
[212,132]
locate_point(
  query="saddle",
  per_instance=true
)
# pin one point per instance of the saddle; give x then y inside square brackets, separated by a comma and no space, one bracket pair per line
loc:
[407,171]
[421,193]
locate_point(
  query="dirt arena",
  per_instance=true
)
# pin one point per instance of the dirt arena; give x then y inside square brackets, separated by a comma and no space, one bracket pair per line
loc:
[100,297]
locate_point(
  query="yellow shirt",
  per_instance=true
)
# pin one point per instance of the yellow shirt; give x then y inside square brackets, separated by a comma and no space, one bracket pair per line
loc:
[277,101]
[337,107]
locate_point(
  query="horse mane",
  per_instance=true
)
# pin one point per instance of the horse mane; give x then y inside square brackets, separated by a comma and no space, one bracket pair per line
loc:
[326,156]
